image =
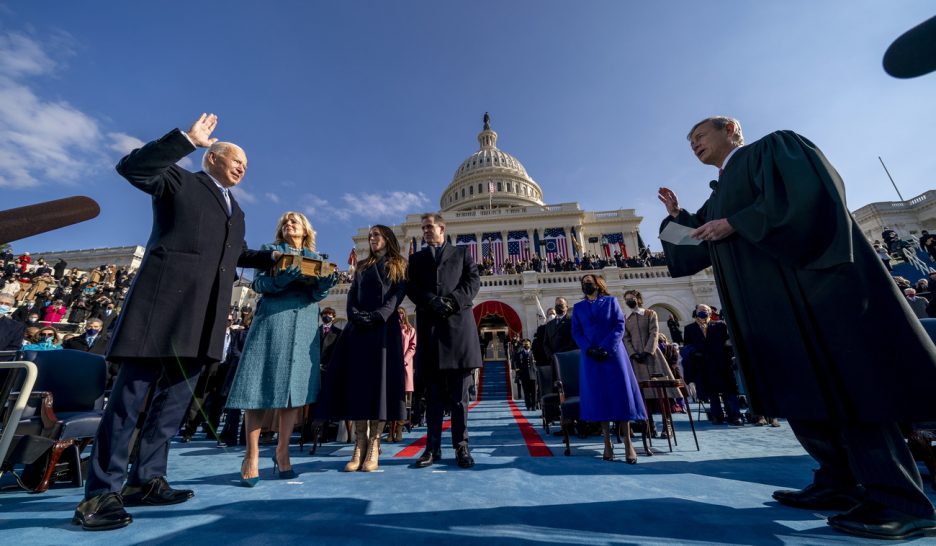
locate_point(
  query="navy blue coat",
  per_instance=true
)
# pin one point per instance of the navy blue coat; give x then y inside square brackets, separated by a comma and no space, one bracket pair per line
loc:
[449,343]
[180,298]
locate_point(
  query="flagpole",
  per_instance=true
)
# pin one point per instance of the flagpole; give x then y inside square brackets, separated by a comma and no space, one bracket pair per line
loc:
[891,178]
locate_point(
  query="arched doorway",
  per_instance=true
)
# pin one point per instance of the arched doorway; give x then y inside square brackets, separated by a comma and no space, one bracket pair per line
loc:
[497,324]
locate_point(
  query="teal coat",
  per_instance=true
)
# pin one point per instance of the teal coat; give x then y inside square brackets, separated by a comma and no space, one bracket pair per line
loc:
[279,367]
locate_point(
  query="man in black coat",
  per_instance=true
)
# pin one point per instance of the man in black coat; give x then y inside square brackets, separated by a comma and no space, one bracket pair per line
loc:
[777,217]
[557,337]
[173,322]
[443,281]
[11,331]
[708,365]
[93,340]
[328,335]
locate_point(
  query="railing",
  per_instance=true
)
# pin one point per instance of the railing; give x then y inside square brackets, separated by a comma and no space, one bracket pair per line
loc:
[9,427]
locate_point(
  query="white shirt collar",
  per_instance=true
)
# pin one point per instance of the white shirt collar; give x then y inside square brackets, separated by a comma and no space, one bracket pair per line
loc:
[728,157]
[223,189]
[628,311]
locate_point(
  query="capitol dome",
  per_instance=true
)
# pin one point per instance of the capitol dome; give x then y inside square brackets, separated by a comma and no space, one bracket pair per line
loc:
[490,177]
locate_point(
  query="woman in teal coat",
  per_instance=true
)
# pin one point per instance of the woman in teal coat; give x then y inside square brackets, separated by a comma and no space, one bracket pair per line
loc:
[279,367]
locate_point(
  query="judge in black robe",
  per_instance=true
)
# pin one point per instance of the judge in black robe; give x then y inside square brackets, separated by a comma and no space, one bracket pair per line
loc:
[806,296]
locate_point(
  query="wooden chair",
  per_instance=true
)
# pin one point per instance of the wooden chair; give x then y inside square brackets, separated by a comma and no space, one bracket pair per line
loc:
[662,388]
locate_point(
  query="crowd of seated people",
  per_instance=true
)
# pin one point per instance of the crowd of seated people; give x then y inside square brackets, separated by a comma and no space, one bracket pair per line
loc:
[57,304]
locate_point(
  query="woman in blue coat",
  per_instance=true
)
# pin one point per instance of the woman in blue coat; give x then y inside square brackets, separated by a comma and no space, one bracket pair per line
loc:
[608,388]
[279,366]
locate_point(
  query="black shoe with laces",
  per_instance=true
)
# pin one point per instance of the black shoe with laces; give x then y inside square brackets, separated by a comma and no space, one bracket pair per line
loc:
[463,457]
[156,492]
[102,513]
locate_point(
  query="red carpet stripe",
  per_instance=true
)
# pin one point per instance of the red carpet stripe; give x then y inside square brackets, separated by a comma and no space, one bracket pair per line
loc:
[535,444]
[417,446]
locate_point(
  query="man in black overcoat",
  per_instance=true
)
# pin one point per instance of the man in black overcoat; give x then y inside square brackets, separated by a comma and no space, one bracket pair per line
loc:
[558,333]
[443,281]
[94,339]
[709,366]
[12,331]
[173,321]
[807,332]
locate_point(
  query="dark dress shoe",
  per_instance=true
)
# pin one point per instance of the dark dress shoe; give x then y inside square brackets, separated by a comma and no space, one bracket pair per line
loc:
[155,492]
[463,457]
[816,497]
[102,513]
[428,457]
[873,520]
[736,422]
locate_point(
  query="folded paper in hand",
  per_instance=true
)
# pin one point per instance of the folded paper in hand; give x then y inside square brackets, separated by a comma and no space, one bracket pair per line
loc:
[678,234]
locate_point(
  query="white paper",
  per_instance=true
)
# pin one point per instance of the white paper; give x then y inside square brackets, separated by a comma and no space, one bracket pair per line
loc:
[678,234]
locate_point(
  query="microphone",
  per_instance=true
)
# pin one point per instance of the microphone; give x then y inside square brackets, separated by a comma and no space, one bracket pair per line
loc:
[30,220]
[713,184]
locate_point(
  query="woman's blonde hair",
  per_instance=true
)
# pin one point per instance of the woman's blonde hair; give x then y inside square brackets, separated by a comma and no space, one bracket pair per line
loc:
[308,239]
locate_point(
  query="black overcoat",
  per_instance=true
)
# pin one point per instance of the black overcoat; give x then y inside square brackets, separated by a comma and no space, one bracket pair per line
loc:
[817,323]
[366,378]
[708,359]
[449,343]
[179,301]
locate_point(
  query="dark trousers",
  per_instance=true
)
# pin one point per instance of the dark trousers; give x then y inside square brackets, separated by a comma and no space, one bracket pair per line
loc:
[873,455]
[447,389]
[529,392]
[205,407]
[732,406]
[164,387]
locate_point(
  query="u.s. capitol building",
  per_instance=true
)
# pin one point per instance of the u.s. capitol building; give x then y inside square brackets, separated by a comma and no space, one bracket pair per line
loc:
[497,210]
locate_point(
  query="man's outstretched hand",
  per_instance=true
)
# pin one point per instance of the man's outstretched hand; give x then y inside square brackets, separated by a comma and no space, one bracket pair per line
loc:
[669,200]
[201,130]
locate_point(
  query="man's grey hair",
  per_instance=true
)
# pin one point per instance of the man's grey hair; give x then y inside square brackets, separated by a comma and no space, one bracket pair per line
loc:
[93,321]
[720,122]
[7,298]
[218,148]
[435,216]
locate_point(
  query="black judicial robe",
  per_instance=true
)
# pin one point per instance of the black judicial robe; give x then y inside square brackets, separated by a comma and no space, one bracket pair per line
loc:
[819,327]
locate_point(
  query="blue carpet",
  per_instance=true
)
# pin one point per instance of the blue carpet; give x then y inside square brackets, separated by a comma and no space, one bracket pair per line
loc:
[719,495]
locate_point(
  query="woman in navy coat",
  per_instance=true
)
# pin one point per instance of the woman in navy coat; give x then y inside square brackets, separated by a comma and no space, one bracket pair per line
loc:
[279,367]
[607,385]
[366,376]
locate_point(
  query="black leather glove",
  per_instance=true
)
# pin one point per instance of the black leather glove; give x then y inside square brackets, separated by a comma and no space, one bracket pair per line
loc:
[362,318]
[597,353]
[441,306]
[641,357]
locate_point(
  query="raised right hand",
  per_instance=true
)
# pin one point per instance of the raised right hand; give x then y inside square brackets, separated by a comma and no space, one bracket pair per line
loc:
[670,201]
[201,130]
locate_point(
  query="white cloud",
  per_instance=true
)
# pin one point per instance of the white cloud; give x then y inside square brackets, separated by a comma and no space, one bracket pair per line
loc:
[243,195]
[383,205]
[371,206]
[272,198]
[22,56]
[123,143]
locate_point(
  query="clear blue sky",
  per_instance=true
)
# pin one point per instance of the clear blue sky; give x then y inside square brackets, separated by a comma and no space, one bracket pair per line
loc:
[383,100]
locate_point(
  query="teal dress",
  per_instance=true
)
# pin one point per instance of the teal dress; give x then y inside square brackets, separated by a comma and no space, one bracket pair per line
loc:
[279,367]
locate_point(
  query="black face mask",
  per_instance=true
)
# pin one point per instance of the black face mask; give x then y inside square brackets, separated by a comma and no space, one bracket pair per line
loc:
[589,288]
[560,309]
[631,303]
[326,319]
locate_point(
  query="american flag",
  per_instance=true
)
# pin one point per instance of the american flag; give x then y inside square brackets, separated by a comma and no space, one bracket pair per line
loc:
[471,243]
[614,241]
[491,187]
[493,246]
[555,240]
[518,244]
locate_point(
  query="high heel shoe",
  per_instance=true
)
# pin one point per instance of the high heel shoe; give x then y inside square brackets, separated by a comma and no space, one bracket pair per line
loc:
[282,474]
[248,482]
[632,460]
[608,454]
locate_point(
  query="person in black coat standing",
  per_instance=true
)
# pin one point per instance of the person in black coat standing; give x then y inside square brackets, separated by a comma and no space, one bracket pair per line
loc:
[173,322]
[709,365]
[443,282]
[94,339]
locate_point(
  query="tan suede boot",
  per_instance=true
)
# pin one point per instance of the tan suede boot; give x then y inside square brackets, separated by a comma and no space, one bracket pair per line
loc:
[360,447]
[373,446]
